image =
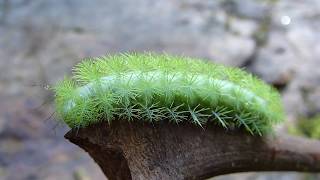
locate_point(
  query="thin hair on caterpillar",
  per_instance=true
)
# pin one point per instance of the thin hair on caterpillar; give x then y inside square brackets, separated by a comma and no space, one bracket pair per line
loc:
[153,88]
[49,96]
[47,102]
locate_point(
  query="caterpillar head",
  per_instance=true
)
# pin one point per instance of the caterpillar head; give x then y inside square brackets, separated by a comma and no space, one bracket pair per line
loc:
[152,88]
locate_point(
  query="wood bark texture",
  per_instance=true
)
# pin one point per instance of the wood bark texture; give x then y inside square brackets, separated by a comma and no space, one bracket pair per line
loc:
[164,150]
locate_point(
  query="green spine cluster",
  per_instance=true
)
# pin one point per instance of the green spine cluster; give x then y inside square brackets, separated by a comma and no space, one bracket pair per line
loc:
[150,87]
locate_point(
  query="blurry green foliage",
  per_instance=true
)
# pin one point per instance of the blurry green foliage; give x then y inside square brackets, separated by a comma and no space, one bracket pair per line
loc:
[309,127]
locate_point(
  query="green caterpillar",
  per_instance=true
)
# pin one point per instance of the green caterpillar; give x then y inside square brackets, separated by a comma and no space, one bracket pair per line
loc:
[149,87]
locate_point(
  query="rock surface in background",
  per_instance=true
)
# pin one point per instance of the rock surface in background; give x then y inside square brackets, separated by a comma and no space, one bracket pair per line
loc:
[41,40]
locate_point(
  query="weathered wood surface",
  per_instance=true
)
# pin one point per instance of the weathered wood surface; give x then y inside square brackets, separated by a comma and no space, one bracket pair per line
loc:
[168,151]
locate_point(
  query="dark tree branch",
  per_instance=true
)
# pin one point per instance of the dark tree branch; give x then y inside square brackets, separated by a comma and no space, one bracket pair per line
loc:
[167,151]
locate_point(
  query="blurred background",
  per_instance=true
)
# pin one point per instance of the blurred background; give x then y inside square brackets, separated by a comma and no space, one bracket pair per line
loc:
[40,40]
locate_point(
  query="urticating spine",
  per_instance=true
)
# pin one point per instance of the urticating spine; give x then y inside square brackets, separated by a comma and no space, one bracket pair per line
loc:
[158,93]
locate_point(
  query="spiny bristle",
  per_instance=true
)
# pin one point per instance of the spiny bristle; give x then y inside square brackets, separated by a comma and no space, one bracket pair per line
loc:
[150,87]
